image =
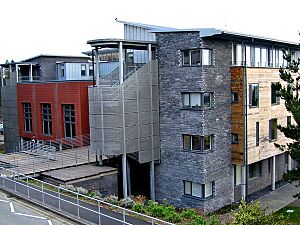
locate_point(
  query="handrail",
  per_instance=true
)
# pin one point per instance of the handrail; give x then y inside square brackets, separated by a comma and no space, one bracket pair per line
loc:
[124,210]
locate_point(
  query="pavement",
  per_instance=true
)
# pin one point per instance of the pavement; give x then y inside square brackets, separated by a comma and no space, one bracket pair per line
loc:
[279,198]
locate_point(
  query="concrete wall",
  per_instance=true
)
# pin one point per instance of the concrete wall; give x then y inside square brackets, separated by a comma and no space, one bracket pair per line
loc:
[176,165]
[10,118]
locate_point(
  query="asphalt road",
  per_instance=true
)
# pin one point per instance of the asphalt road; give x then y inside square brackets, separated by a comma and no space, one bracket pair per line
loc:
[16,212]
[70,205]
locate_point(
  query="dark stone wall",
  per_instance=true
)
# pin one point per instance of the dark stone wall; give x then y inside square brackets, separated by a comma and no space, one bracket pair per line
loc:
[176,165]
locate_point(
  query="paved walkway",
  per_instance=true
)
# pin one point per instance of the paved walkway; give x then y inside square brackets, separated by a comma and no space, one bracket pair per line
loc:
[279,198]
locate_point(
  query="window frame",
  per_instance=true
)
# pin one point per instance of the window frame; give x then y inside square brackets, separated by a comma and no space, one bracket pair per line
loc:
[201,143]
[271,138]
[83,71]
[203,195]
[69,124]
[91,70]
[234,138]
[202,60]
[234,97]
[202,103]
[255,170]
[27,115]
[46,119]
[251,91]
[274,94]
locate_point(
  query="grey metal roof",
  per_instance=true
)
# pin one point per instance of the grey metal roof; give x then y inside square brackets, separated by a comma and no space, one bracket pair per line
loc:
[210,32]
[54,56]
[146,26]
[127,44]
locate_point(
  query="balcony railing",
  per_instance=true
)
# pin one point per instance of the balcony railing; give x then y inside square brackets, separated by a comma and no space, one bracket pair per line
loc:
[259,64]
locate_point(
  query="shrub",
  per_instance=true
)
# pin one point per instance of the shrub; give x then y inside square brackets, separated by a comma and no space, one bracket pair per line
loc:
[198,220]
[112,199]
[140,198]
[127,203]
[155,209]
[252,214]
[138,207]
[82,190]
[188,213]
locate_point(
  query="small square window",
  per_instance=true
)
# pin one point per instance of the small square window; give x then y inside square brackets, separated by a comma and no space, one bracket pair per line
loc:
[234,97]
[234,138]
[83,70]
[275,98]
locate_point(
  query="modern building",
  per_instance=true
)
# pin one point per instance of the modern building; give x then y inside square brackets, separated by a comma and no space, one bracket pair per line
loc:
[201,115]
[45,98]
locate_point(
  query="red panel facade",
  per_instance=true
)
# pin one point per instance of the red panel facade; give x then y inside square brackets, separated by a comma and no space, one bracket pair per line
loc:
[57,94]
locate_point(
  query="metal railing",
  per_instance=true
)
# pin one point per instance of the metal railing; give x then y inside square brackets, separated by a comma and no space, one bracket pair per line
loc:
[74,203]
[259,64]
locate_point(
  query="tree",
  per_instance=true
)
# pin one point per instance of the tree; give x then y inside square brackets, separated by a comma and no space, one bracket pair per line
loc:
[290,93]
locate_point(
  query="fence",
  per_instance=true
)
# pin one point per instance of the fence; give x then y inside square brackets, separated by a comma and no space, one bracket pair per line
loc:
[74,203]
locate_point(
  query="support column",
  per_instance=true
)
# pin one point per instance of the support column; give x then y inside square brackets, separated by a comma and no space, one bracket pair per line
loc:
[30,73]
[17,73]
[149,52]
[128,178]
[124,169]
[289,162]
[273,173]
[97,67]
[121,71]
[243,188]
[152,184]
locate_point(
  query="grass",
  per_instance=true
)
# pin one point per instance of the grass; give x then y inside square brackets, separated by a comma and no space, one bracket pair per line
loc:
[293,217]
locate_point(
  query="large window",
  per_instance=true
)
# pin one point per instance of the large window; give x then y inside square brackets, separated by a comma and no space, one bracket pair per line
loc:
[197,143]
[197,100]
[83,70]
[255,170]
[27,117]
[253,95]
[237,175]
[196,57]
[272,129]
[198,190]
[69,120]
[46,119]
[275,99]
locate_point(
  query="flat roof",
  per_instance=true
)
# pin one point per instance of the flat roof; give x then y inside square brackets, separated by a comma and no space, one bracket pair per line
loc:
[127,44]
[213,32]
[54,56]
[143,25]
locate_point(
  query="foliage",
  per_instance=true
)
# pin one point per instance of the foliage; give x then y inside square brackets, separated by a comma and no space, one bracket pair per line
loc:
[290,94]
[126,203]
[252,214]
[292,217]
[138,207]
[112,199]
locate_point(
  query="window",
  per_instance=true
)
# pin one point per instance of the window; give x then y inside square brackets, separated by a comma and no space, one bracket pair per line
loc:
[197,100]
[27,117]
[234,97]
[197,57]
[272,129]
[237,174]
[255,170]
[234,138]
[253,95]
[91,70]
[275,99]
[197,143]
[257,134]
[62,70]
[83,70]
[257,57]
[198,190]
[288,121]
[237,54]
[69,120]
[46,119]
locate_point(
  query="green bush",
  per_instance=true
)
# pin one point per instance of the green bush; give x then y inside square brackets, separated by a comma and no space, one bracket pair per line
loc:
[252,214]
[155,209]
[198,220]
[188,213]
[138,207]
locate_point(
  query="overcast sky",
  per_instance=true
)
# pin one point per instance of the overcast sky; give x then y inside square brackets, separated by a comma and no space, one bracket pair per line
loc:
[62,27]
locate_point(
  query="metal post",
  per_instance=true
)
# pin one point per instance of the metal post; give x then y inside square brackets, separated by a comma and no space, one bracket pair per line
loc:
[124,160]
[30,74]
[121,62]
[99,213]
[78,215]
[59,207]
[274,173]
[124,216]
[97,67]
[33,168]
[27,187]
[289,162]
[243,189]
[43,195]
[152,187]
[60,145]
[149,52]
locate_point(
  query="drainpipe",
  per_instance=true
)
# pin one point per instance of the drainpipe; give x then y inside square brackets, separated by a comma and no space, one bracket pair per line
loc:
[93,63]
[245,124]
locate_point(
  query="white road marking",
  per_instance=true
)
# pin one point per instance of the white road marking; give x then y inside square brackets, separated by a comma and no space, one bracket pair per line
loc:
[37,217]
[12,209]
[49,222]
[3,201]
